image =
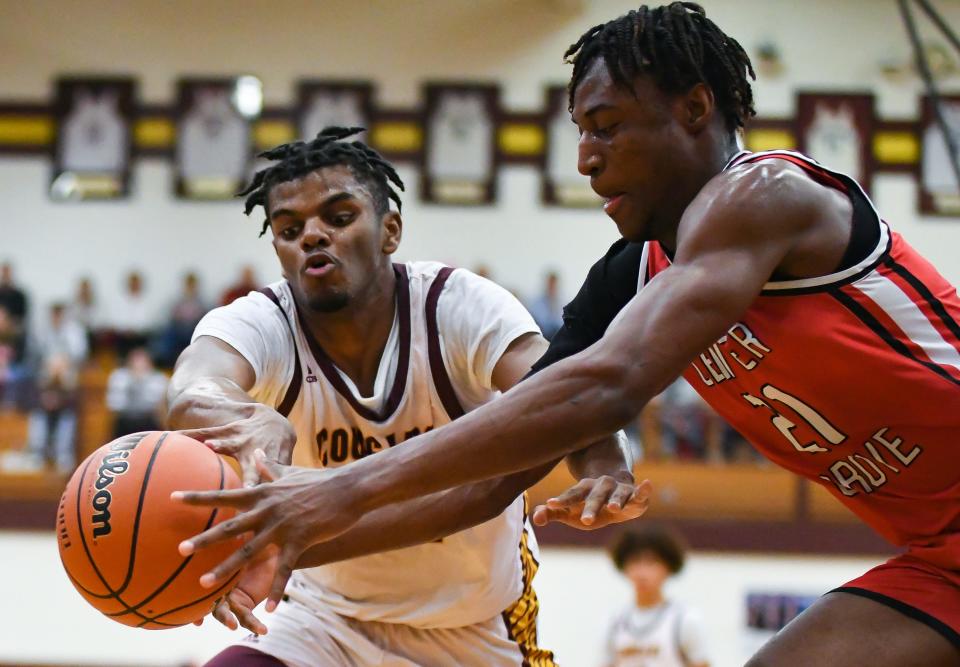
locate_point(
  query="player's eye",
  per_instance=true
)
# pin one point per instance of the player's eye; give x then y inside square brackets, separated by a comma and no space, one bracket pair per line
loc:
[290,233]
[344,218]
[607,131]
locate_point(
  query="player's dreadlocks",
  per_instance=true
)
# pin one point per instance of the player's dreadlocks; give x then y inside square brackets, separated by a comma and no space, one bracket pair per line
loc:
[679,47]
[327,150]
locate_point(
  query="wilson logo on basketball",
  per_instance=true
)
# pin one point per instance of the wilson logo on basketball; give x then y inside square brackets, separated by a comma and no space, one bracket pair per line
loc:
[112,466]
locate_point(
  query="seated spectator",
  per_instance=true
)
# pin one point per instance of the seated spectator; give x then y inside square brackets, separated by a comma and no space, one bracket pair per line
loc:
[13,334]
[546,309]
[184,316]
[53,420]
[12,298]
[84,309]
[56,353]
[132,321]
[653,630]
[135,393]
[61,336]
[12,369]
[678,424]
[736,448]
[483,271]
[248,283]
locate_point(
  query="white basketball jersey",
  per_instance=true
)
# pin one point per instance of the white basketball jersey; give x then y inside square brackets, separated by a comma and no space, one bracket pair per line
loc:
[450,329]
[655,638]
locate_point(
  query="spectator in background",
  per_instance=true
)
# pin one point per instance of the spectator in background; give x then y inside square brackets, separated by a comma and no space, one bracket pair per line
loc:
[57,354]
[135,393]
[14,303]
[483,271]
[131,321]
[11,356]
[678,424]
[248,283]
[12,298]
[53,420]
[84,309]
[546,309]
[184,316]
[62,336]
[653,630]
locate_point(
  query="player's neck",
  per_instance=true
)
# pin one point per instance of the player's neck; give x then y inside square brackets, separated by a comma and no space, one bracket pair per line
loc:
[354,338]
[716,157]
[648,599]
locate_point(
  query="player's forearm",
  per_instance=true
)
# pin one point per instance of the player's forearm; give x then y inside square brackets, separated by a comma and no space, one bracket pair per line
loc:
[566,406]
[423,520]
[560,410]
[207,401]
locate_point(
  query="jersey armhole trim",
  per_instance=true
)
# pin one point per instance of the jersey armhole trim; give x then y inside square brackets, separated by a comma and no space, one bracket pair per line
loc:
[293,389]
[438,370]
[862,207]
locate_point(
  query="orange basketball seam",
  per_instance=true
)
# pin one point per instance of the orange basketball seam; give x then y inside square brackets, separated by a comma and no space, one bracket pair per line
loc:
[83,540]
[152,619]
[182,565]
[136,519]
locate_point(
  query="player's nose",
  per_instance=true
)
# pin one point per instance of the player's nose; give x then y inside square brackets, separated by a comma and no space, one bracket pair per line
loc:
[589,161]
[315,233]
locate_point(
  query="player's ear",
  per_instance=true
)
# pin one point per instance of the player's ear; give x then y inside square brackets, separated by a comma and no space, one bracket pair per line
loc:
[392,232]
[697,108]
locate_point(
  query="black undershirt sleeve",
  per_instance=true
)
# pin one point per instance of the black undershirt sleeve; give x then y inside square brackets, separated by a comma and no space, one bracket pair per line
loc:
[610,284]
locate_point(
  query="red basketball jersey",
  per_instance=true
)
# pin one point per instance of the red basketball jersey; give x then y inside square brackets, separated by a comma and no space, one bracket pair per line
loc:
[851,380]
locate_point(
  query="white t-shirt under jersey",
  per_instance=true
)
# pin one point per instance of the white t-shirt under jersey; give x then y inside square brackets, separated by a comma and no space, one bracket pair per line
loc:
[468,577]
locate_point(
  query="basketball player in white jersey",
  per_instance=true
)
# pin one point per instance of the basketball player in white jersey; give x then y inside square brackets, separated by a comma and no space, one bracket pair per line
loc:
[653,631]
[350,355]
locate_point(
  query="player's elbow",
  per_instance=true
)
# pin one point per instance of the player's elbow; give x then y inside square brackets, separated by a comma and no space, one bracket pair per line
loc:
[187,397]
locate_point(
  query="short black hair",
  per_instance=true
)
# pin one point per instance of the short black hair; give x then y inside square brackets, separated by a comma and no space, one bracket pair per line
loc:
[661,542]
[678,46]
[299,158]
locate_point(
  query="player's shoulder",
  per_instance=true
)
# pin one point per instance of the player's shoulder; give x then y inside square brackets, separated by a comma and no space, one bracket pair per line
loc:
[424,270]
[265,306]
[767,200]
[455,279]
[771,181]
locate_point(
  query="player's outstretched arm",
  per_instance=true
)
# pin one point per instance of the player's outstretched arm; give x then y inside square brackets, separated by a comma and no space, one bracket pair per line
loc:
[208,400]
[738,231]
[732,238]
[429,519]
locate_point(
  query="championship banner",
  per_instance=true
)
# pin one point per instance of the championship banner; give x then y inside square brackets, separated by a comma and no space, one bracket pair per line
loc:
[214,138]
[92,146]
[333,103]
[460,156]
[563,184]
[835,130]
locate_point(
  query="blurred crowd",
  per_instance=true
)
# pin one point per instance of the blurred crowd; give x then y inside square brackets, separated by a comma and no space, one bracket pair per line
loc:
[44,360]
[43,366]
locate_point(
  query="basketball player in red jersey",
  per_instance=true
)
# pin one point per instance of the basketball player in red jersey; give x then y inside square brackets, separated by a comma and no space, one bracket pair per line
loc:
[767,281]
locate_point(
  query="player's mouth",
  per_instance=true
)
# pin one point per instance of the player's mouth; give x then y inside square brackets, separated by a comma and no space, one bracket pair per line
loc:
[613,204]
[319,264]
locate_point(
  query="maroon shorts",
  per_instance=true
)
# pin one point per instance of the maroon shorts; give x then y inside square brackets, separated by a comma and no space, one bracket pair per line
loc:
[916,588]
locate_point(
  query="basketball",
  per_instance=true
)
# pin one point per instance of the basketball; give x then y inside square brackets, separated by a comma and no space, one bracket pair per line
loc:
[118,530]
